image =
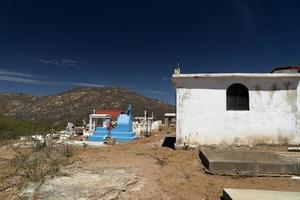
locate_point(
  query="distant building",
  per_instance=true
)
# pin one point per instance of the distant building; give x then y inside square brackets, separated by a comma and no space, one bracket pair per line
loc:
[287,69]
[237,108]
[170,119]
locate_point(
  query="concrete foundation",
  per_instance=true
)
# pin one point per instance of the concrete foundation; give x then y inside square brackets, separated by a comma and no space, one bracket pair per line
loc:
[246,194]
[250,163]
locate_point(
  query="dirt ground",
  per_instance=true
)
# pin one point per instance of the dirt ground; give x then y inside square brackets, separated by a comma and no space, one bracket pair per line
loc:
[154,172]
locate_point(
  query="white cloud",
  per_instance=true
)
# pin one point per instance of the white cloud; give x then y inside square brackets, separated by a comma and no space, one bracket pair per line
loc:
[84,84]
[87,84]
[42,82]
[20,77]
[49,61]
[24,80]
[60,62]
[4,72]
[71,62]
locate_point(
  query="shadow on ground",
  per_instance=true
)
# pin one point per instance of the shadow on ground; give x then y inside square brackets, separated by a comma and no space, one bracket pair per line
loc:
[169,142]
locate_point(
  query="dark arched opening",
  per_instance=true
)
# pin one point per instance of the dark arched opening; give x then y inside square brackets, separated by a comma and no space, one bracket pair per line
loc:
[237,97]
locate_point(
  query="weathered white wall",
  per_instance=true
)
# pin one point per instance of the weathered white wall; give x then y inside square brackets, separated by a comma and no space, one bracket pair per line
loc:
[273,117]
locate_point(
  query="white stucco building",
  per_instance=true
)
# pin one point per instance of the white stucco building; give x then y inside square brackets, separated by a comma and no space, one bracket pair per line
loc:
[237,108]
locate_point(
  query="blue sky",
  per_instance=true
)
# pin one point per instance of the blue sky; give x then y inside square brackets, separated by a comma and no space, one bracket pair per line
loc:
[47,47]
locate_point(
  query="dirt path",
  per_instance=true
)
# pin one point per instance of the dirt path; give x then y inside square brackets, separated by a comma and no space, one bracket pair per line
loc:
[150,171]
[165,173]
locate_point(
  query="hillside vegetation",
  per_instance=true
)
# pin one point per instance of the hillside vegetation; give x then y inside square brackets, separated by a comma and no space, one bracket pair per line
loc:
[12,128]
[76,104]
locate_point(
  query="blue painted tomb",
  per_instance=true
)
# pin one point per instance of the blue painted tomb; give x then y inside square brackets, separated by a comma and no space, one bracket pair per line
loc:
[123,132]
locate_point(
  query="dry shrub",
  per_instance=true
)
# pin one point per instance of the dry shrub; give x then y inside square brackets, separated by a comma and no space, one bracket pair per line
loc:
[42,159]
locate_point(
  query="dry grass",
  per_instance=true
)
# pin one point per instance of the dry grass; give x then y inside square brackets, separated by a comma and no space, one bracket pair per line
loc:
[42,159]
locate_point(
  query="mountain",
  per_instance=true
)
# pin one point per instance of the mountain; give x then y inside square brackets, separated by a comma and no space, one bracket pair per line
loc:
[76,104]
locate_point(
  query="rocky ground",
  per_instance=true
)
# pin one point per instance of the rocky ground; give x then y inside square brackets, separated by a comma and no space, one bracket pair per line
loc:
[138,170]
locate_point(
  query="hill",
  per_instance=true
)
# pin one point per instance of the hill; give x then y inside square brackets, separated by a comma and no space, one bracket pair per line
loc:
[76,104]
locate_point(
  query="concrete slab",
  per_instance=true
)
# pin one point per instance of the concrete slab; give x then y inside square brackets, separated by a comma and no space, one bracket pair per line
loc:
[86,143]
[247,162]
[248,194]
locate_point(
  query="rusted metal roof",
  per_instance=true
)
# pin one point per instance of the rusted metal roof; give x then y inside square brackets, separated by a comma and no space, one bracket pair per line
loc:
[292,68]
[113,112]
